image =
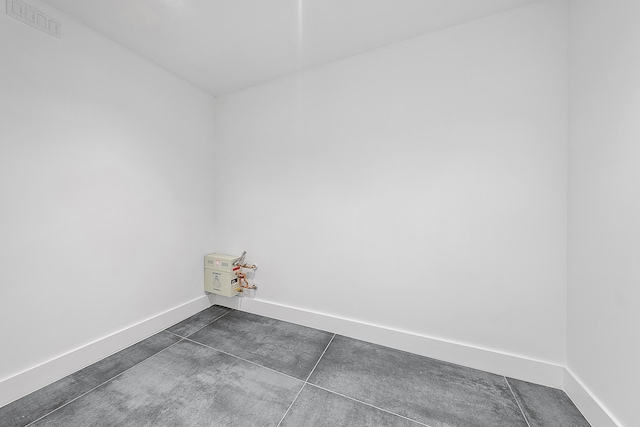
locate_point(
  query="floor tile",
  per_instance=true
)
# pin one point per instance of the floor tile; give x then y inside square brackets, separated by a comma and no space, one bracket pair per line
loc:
[285,347]
[547,407]
[117,363]
[198,320]
[320,408]
[37,404]
[185,385]
[432,392]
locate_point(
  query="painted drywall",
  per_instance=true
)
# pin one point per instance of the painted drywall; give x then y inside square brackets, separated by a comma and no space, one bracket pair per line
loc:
[604,203]
[106,190]
[420,187]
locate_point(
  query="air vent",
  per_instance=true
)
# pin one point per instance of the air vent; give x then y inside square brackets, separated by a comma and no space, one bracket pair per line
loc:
[32,16]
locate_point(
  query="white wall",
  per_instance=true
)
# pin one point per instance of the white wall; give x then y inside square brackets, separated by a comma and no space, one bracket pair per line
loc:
[106,190]
[420,187]
[604,203]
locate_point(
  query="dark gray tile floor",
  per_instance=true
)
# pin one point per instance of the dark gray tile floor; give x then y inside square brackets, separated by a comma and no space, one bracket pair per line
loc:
[199,321]
[321,408]
[222,367]
[546,406]
[284,347]
[429,391]
[47,399]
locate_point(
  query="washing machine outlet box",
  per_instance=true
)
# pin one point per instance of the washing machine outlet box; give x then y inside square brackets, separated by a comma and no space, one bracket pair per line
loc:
[219,276]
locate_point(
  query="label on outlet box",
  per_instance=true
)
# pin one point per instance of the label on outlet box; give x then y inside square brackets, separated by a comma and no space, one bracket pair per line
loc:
[31,16]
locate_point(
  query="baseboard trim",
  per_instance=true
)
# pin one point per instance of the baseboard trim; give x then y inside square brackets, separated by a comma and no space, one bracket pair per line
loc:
[497,362]
[590,406]
[501,363]
[36,377]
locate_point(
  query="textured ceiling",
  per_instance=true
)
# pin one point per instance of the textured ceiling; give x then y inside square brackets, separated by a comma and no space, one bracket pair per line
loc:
[226,45]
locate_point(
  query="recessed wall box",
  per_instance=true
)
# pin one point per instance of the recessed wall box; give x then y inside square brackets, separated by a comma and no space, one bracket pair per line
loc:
[219,275]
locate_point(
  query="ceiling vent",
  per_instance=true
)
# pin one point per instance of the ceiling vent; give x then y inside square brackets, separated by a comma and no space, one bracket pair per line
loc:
[32,16]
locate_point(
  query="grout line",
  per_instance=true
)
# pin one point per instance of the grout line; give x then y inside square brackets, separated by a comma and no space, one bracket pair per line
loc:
[318,362]
[174,334]
[164,330]
[368,404]
[290,406]
[214,320]
[307,381]
[217,318]
[517,402]
[342,395]
[244,360]
[101,384]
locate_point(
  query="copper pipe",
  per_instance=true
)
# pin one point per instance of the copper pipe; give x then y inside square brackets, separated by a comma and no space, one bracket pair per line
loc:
[243,278]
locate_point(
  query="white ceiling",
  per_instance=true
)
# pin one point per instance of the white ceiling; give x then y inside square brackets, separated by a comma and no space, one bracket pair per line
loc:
[225,45]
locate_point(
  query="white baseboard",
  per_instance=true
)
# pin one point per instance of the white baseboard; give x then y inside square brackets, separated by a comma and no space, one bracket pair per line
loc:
[590,406]
[32,379]
[497,362]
